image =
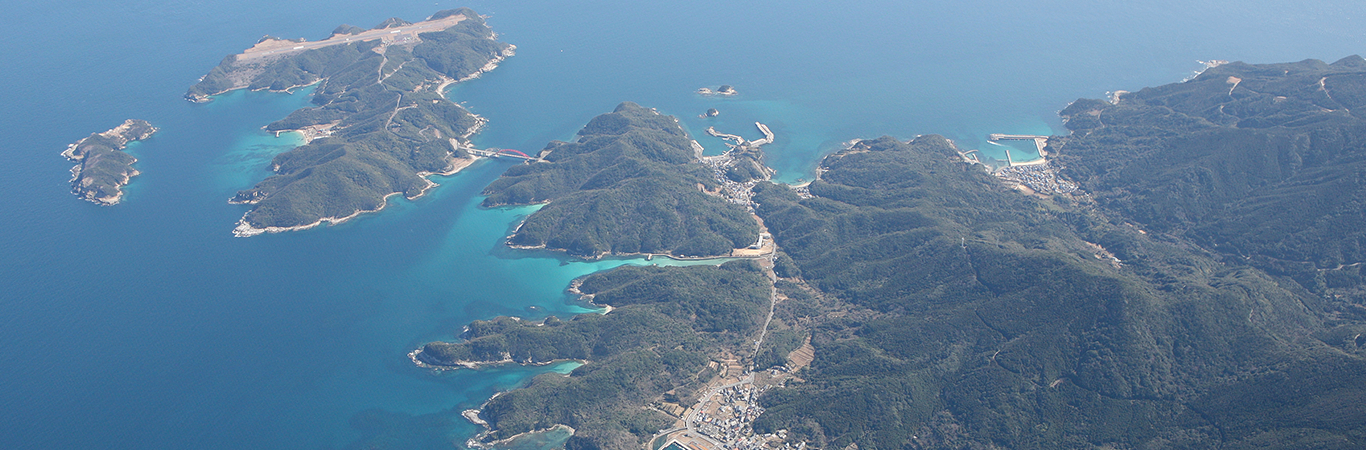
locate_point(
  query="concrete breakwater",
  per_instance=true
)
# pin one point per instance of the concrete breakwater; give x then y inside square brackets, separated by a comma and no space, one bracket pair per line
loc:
[742,142]
[1039,141]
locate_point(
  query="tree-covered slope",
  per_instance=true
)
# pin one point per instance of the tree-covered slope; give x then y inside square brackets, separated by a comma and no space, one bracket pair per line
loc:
[1261,162]
[381,123]
[631,183]
[666,324]
[103,168]
[983,318]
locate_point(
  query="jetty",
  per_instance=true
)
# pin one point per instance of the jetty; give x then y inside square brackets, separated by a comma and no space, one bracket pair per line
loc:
[740,141]
[768,135]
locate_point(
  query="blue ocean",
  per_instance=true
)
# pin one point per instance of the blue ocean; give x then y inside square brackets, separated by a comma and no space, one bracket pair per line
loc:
[147,325]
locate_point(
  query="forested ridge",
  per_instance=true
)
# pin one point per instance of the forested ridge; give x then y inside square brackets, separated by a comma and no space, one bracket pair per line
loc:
[995,319]
[103,168]
[666,324]
[1200,291]
[630,183]
[1261,163]
[1181,300]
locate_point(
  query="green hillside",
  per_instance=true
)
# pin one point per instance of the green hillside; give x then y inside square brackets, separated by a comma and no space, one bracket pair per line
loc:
[385,123]
[991,318]
[1261,163]
[667,323]
[630,184]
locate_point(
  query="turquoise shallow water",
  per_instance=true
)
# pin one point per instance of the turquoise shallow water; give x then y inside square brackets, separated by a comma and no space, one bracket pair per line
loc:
[147,325]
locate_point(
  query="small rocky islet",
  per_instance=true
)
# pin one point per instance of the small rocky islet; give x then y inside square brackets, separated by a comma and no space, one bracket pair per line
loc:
[103,168]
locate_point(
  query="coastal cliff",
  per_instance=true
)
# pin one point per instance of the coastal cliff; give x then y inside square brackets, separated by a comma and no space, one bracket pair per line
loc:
[103,168]
[379,124]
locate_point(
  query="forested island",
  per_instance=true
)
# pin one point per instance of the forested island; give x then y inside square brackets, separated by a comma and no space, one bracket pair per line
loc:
[1201,290]
[632,183]
[103,168]
[379,123]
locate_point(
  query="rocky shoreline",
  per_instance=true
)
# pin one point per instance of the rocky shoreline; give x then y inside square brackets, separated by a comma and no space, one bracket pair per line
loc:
[103,167]
[472,415]
[724,90]
[419,119]
[511,50]
[416,357]
[246,229]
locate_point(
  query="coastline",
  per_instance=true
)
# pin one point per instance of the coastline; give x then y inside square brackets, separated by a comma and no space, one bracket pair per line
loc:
[603,255]
[118,196]
[457,165]
[586,298]
[246,229]
[121,137]
[472,415]
[208,98]
[493,63]
[271,49]
[415,357]
[475,443]
[311,133]
[511,50]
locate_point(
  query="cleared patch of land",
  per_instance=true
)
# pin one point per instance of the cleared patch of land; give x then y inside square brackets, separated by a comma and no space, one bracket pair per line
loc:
[406,33]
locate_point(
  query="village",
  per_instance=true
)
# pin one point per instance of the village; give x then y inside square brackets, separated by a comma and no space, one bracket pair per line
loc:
[734,192]
[1036,176]
[723,417]
[740,193]
[1040,178]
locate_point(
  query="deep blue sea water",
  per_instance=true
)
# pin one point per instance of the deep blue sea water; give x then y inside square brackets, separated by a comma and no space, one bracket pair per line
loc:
[148,326]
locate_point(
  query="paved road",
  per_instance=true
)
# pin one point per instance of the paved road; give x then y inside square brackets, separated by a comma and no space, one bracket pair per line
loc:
[410,31]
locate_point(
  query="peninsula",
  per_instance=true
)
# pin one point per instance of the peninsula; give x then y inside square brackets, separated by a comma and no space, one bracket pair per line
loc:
[379,124]
[648,348]
[633,182]
[103,168]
